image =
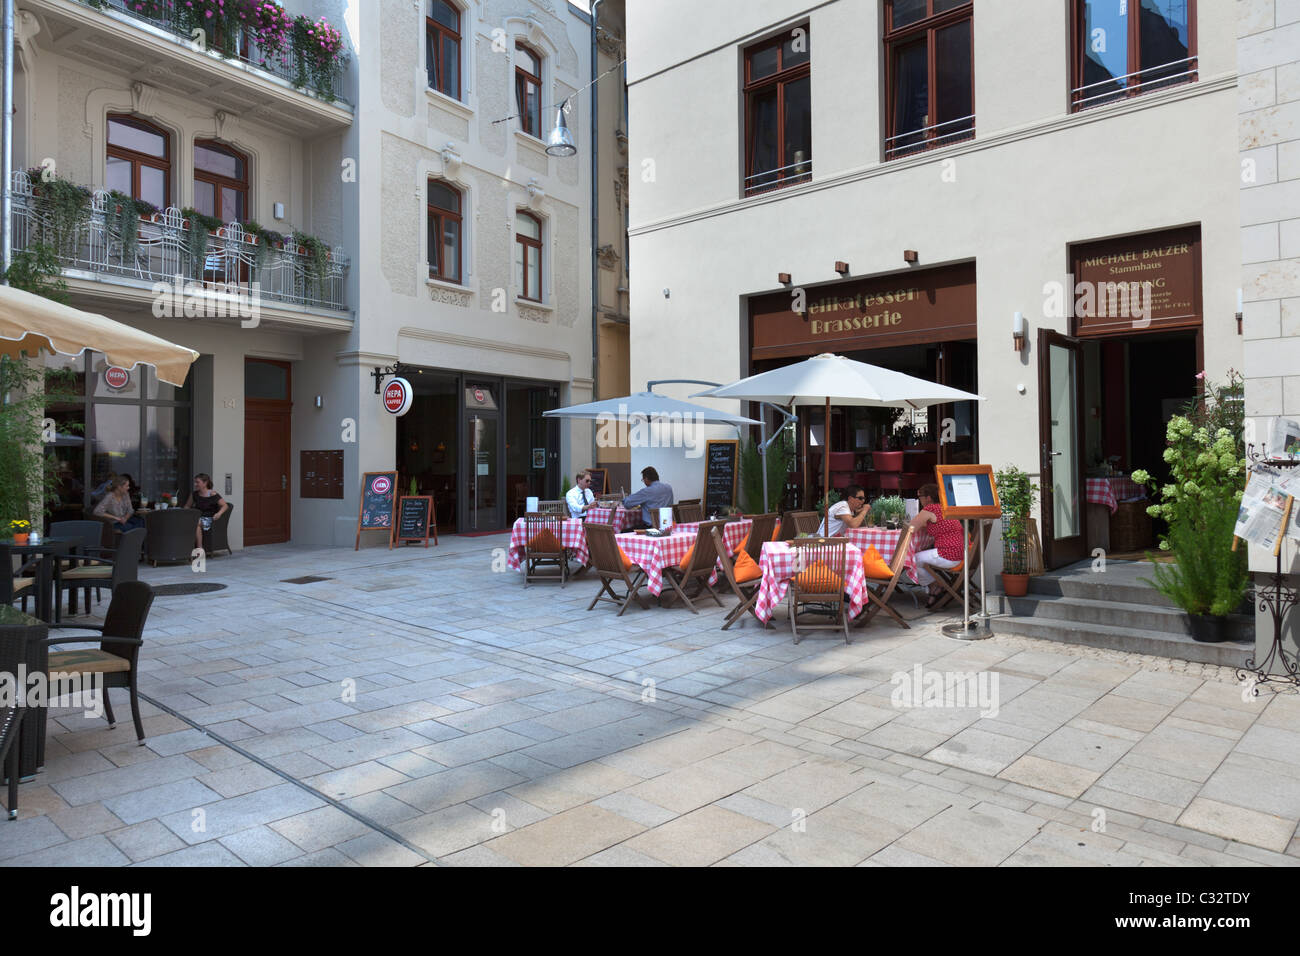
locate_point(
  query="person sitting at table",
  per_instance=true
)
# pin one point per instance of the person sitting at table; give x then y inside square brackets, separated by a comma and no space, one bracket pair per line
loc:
[849,512]
[655,495]
[949,541]
[580,496]
[208,503]
[117,505]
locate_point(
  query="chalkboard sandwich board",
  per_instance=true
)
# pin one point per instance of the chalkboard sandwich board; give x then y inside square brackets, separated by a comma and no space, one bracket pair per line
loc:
[721,458]
[599,480]
[414,517]
[378,501]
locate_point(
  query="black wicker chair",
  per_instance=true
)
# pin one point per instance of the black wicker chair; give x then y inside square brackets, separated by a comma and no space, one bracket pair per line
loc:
[101,573]
[171,534]
[214,539]
[11,719]
[118,655]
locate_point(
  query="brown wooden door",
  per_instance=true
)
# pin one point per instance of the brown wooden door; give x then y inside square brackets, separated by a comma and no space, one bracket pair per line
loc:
[266,457]
[1060,421]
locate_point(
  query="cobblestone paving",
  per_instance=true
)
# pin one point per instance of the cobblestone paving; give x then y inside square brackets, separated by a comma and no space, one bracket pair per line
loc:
[420,707]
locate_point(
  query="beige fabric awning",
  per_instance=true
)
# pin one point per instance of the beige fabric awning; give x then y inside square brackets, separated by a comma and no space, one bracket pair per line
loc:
[31,322]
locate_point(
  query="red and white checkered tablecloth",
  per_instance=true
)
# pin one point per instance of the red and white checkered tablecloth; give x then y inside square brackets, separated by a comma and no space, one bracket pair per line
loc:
[621,518]
[884,541]
[732,533]
[779,566]
[653,554]
[1111,491]
[573,537]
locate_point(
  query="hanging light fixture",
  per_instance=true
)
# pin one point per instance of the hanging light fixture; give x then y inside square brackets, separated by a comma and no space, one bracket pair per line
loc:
[560,141]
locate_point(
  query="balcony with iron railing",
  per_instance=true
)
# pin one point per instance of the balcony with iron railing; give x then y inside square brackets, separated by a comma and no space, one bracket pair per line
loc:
[168,248]
[767,180]
[1117,88]
[930,137]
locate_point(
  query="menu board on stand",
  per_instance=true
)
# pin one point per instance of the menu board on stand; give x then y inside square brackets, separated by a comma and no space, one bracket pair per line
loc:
[721,458]
[378,502]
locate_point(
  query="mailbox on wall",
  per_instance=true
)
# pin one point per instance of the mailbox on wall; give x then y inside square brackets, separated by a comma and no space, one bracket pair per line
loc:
[321,474]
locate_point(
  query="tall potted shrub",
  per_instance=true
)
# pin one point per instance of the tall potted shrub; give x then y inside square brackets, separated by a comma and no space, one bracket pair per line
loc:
[1016,492]
[1207,468]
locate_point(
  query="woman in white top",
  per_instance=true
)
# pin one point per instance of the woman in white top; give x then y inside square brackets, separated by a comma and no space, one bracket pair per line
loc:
[849,512]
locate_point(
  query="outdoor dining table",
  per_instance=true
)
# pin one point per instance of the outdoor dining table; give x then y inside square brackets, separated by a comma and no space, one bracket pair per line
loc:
[1111,491]
[22,645]
[779,563]
[572,537]
[653,553]
[50,575]
[618,516]
[884,540]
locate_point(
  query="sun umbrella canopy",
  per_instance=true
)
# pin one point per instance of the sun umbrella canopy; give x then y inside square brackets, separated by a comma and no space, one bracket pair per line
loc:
[649,406]
[31,322]
[844,381]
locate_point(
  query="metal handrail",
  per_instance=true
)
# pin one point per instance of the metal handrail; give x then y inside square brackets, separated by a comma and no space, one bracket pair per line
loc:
[284,64]
[926,129]
[781,169]
[233,261]
[1137,87]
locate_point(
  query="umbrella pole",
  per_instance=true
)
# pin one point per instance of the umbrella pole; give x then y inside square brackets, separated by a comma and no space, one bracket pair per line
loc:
[762,456]
[7,132]
[826,464]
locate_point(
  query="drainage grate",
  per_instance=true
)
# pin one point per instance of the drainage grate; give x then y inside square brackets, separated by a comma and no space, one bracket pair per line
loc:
[307,579]
[171,590]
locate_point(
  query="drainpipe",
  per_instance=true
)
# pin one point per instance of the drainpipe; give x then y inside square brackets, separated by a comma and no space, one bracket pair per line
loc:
[7,132]
[595,223]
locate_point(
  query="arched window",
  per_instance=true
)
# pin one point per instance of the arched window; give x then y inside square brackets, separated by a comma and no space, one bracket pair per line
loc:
[139,162]
[442,48]
[528,256]
[444,231]
[528,90]
[220,181]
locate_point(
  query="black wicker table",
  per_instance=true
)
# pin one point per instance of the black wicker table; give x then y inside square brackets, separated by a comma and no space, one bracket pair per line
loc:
[23,652]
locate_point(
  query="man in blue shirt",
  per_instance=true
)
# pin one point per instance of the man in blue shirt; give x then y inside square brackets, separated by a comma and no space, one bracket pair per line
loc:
[655,495]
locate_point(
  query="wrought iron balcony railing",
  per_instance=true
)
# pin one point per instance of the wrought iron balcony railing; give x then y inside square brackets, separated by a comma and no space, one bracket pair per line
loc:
[231,261]
[285,63]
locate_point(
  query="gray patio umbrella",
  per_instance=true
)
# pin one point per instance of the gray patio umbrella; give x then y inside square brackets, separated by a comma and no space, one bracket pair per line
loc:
[828,378]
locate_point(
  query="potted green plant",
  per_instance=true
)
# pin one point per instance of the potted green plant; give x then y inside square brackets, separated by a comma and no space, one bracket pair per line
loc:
[890,512]
[1016,491]
[1207,475]
[20,530]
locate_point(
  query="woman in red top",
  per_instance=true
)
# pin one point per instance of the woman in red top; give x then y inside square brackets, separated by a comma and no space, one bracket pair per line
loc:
[949,542]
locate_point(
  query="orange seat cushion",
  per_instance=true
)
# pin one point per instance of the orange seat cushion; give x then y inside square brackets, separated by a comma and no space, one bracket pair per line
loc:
[741,547]
[747,568]
[776,531]
[545,542]
[628,563]
[686,559]
[874,566]
[819,579]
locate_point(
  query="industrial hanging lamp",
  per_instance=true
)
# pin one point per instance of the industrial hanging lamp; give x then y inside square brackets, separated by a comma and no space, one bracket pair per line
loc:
[560,141]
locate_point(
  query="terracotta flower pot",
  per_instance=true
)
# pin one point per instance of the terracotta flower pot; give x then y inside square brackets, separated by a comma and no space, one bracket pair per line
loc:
[22,538]
[1015,585]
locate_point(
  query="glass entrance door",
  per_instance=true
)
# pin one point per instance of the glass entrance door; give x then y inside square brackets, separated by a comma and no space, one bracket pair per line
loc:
[483,461]
[1060,425]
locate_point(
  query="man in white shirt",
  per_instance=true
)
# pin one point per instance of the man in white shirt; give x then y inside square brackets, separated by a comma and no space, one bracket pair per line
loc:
[848,512]
[580,496]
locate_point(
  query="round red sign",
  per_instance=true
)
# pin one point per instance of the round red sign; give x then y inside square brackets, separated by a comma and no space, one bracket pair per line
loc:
[381,485]
[116,377]
[398,396]
[478,395]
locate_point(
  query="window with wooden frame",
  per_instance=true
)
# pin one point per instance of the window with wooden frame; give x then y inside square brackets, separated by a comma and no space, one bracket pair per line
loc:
[444,231]
[930,74]
[528,256]
[139,160]
[778,112]
[442,48]
[528,90]
[220,181]
[1123,48]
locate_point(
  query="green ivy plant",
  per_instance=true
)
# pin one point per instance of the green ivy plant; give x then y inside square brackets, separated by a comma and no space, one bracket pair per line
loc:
[37,269]
[266,239]
[62,208]
[122,216]
[317,262]
[1016,491]
[196,237]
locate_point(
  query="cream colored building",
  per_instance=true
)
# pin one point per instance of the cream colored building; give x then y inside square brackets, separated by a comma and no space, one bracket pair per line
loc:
[282,407]
[904,210]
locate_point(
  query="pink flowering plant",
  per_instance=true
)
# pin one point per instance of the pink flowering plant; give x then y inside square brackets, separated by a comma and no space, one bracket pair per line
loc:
[319,49]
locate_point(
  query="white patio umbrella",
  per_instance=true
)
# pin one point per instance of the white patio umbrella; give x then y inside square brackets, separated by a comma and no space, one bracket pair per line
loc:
[651,407]
[31,322]
[828,378]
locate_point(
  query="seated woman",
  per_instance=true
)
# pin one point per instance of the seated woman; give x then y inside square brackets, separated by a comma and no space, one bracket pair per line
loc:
[209,504]
[948,538]
[849,512]
[117,505]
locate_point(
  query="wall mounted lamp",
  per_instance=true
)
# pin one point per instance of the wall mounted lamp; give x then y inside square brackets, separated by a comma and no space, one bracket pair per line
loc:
[1018,331]
[842,268]
[910,255]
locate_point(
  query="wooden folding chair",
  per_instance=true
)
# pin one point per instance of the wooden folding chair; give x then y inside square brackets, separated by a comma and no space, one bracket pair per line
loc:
[608,564]
[746,591]
[699,567]
[760,531]
[559,507]
[952,580]
[544,545]
[824,563]
[688,511]
[795,523]
[879,590]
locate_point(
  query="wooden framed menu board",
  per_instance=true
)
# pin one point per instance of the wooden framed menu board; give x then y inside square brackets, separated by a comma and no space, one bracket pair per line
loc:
[721,463]
[599,480]
[378,500]
[968,491]
[415,519]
